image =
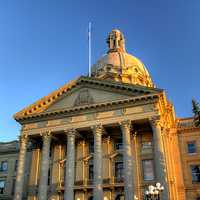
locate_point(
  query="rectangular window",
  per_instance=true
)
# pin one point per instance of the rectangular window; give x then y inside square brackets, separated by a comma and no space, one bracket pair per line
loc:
[2,186]
[91,172]
[195,170]
[118,144]
[4,166]
[119,174]
[16,164]
[191,147]
[13,186]
[148,170]
[91,147]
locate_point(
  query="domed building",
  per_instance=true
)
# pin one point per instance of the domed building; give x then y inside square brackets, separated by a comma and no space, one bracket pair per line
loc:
[120,66]
[105,137]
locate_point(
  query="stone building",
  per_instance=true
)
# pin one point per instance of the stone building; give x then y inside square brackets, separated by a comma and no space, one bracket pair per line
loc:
[189,146]
[8,168]
[105,137]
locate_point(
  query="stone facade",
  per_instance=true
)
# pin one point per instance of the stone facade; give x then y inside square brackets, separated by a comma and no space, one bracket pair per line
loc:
[186,133]
[105,137]
[9,155]
[189,145]
[9,152]
[117,132]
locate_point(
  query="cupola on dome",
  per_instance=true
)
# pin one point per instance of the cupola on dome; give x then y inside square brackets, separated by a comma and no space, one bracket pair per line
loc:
[118,65]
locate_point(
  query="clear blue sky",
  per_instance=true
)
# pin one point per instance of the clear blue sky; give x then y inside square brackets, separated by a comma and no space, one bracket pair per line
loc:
[43,44]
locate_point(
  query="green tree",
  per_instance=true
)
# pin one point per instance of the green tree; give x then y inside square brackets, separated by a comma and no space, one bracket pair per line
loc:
[196,111]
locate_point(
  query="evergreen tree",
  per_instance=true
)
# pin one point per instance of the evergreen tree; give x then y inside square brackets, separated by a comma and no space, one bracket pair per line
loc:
[196,111]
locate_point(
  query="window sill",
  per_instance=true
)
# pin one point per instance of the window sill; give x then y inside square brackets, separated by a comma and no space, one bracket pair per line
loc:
[196,182]
[192,154]
[4,172]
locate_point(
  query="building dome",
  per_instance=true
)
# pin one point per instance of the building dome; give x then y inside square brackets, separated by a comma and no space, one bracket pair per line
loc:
[118,65]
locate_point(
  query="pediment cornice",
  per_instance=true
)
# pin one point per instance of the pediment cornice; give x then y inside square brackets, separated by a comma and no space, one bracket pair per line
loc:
[38,109]
[110,105]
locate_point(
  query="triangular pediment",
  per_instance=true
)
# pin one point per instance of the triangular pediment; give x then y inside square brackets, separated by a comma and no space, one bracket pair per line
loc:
[85,95]
[85,91]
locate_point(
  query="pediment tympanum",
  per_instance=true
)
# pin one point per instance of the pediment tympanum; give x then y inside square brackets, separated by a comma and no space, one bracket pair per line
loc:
[84,91]
[86,96]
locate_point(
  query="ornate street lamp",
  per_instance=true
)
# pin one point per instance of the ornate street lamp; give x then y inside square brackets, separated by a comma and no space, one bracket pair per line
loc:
[135,197]
[153,192]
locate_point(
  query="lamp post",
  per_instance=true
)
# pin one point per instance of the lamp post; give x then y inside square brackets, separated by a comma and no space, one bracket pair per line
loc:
[153,192]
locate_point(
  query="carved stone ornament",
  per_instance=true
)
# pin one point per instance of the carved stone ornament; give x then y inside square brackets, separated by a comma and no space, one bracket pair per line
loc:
[155,121]
[126,124]
[46,136]
[84,98]
[98,129]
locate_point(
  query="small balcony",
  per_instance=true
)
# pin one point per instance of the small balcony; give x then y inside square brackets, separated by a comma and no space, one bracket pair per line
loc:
[88,183]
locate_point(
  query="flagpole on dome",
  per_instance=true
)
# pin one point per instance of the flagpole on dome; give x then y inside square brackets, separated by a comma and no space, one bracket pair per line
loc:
[89,48]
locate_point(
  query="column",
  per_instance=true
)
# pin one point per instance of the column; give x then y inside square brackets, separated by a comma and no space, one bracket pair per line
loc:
[136,165]
[98,172]
[57,152]
[34,171]
[128,160]
[70,165]
[160,165]
[21,168]
[44,167]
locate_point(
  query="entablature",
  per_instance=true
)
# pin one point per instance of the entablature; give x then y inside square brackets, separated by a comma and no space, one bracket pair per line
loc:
[80,122]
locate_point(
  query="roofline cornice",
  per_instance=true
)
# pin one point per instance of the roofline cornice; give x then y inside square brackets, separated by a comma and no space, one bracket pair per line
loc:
[132,100]
[41,105]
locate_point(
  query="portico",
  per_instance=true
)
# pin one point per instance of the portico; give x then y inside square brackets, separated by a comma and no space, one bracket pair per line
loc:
[100,135]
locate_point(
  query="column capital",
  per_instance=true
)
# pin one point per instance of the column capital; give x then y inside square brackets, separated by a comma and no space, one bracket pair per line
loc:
[46,135]
[97,129]
[71,132]
[155,121]
[125,124]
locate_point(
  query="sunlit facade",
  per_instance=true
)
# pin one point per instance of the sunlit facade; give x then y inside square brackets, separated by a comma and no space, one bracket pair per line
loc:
[105,137]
